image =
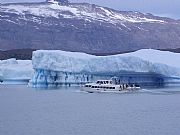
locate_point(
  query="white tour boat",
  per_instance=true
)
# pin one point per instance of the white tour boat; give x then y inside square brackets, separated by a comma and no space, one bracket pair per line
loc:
[108,86]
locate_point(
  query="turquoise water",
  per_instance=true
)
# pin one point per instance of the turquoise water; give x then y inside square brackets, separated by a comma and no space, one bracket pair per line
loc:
[67,111]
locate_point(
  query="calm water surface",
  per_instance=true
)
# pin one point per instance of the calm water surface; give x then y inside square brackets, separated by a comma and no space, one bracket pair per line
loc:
[66,111]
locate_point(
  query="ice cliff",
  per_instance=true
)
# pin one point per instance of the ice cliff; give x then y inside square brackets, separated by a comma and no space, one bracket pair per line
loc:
[52,68]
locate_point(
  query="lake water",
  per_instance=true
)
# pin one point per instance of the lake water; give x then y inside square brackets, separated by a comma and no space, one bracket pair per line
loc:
[66,111]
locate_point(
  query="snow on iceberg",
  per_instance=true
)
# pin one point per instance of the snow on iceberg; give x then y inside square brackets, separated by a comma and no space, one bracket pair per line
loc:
[156,56]
[60,67]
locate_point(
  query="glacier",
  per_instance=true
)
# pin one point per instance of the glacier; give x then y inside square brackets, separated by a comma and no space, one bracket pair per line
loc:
[54,67]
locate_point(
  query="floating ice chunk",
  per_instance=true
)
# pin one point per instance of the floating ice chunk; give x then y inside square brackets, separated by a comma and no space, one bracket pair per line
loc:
[13,69]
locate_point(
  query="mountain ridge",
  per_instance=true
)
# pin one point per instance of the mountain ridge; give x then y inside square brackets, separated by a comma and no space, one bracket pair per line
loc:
[84,27]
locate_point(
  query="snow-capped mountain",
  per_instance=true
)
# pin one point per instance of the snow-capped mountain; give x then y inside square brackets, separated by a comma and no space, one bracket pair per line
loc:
[83,27]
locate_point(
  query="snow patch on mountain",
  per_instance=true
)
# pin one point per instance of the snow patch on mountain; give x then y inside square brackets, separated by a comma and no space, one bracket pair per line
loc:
[76,11]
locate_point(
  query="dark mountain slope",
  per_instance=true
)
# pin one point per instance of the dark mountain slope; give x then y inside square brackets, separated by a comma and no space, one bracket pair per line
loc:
[83,28]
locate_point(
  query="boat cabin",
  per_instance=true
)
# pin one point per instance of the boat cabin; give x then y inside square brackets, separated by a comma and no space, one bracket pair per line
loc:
[104,82]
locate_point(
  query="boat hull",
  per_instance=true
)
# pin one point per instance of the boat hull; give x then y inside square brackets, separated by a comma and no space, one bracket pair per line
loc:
[101,90]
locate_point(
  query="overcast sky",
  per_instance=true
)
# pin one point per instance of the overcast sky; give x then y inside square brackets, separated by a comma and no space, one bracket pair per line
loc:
[170,8]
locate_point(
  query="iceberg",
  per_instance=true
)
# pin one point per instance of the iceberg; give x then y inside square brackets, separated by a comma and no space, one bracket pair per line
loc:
[55,67]
[14,71]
